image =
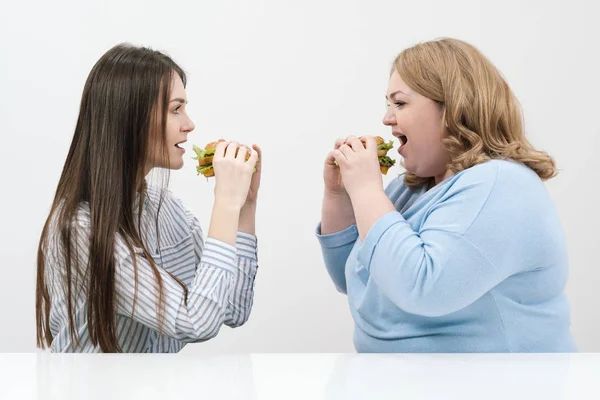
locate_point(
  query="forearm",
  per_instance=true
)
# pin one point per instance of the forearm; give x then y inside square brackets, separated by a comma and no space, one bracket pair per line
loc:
[224,222]
[369,206]
[337,213]
[432,273]
[247,221]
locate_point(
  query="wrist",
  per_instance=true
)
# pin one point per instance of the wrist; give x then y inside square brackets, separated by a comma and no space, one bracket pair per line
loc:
[249,205]
[336,195]
[227,205]
[366,194]
[337,212]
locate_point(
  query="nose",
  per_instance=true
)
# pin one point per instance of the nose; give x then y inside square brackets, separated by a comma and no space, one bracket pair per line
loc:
[188,126]
[389,118]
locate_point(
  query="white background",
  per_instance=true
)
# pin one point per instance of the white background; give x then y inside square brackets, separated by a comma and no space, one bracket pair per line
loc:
[291,76]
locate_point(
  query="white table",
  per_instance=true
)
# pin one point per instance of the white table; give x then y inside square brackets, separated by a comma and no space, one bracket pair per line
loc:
[300,376]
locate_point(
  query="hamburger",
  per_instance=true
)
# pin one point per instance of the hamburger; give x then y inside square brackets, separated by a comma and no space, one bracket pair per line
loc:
[385,162]
[205,158]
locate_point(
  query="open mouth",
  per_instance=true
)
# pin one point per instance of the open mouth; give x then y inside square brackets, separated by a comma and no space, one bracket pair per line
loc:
[178,145]
[403,140]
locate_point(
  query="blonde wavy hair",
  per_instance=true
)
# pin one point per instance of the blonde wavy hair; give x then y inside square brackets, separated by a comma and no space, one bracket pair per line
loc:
[482,116]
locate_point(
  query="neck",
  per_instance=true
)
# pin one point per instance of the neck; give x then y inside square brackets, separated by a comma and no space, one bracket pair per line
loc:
[441,177]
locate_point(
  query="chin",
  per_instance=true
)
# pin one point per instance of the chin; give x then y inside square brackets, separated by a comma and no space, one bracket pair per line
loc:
[416,172]
[409,168]
[176,164]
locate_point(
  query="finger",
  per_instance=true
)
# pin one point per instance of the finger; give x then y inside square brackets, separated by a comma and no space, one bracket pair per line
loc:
[339,142]
[355,143]
[371,144]
[340,157]
[259,155]
[231,149]
[241,153]
[329,160]
[349,138]
[252,161]
[220,150]
[346,150]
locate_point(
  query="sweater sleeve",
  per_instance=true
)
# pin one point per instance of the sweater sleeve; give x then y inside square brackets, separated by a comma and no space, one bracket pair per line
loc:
[435,270]
[336,248]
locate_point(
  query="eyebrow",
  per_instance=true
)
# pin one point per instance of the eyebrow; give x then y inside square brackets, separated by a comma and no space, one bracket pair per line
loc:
[180,100]
[395,93]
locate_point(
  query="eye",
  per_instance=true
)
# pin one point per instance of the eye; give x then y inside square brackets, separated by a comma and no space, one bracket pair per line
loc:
[176,109]
[399,104]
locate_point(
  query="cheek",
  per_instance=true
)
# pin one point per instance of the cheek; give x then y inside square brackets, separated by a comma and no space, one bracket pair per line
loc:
[403,120]
[172,130]
[433,139]
[430,127]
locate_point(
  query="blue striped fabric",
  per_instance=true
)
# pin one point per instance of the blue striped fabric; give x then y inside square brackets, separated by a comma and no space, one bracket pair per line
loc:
[219,278]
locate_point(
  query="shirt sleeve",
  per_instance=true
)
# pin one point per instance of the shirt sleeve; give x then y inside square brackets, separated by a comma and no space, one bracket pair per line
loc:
[241,296]
[201,316]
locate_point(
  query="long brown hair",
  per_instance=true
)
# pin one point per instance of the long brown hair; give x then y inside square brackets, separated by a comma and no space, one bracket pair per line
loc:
[482,117]
[122,119]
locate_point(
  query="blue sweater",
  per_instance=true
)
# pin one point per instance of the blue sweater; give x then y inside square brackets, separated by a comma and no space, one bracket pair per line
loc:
[477,263]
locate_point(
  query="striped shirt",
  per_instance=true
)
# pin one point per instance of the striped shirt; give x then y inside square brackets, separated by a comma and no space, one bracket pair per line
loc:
[219,278]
